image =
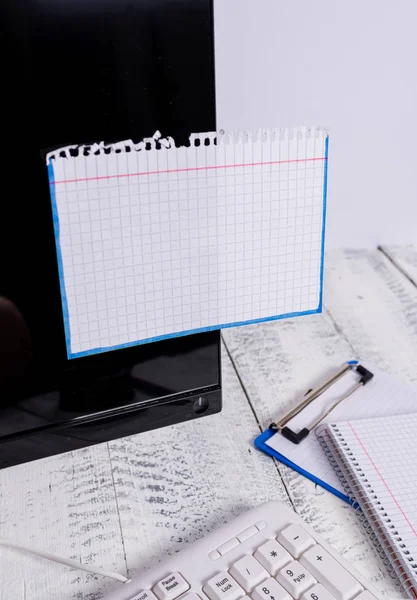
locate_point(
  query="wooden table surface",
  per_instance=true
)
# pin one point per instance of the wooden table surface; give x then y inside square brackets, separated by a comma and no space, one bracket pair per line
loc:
[126,504]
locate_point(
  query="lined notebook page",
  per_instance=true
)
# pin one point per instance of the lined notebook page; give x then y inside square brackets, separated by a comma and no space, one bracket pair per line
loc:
[384,395]
[381,467]
[155,241]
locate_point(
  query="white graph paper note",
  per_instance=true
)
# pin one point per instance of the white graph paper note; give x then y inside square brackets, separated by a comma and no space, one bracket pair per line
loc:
[155,241]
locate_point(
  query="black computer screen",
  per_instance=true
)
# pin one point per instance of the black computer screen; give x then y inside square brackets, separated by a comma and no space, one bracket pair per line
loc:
[78,72]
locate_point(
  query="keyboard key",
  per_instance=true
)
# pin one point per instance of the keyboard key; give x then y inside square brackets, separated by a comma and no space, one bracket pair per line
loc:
[146,595]
[340,583]
[272,556]
[295,579]
[248,572]
[214,555]
[270,590]
[191,596]
[318,592]
[246,534]
[223,587]
[171,587]
[296,540]
[366,596]
[227,546]
[260,525]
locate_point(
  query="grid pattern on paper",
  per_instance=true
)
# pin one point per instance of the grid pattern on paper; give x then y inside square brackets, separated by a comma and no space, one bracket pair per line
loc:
[149,251]
[384,449]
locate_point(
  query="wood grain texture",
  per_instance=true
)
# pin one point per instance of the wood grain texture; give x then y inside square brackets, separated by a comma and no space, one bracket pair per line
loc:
[66,505]
[172,486]
[375,307]
[405,258]
[176,484]
[370,310]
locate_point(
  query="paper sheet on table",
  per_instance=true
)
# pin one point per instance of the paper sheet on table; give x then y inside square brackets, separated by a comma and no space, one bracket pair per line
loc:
[383,396]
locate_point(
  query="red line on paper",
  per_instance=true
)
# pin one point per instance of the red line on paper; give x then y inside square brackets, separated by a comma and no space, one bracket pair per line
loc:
[255,164]
[383,480]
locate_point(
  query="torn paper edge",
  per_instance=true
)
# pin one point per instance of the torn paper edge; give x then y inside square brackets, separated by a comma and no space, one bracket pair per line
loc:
[157,142]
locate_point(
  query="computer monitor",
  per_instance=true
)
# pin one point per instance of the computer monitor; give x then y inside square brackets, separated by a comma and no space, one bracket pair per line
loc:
[79,73]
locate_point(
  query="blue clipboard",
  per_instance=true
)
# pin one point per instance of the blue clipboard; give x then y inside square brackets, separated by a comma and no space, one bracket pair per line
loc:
[260,443]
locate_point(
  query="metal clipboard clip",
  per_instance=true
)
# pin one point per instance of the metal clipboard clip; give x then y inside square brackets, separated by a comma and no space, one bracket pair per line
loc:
[296,437]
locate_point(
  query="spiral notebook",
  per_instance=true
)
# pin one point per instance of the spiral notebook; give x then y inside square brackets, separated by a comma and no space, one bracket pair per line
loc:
[375,461]
[155,240]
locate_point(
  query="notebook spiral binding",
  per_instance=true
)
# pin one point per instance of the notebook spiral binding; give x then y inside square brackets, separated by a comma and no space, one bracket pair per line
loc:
[372,517]
[157,142]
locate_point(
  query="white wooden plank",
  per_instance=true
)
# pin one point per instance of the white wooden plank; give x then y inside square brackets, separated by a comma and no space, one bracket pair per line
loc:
[369,304]
[405,258]
[375,307]
[65,505]
[176,484]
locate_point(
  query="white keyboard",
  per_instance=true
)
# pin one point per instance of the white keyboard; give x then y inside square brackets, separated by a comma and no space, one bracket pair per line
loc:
[268,553]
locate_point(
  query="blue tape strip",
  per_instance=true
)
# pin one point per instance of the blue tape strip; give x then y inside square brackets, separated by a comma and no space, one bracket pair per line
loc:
[323,230]
[192,331]
[99,350]
[260,443]
[55,218]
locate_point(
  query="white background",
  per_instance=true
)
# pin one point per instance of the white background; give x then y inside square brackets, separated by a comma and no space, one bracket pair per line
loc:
[351,66]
